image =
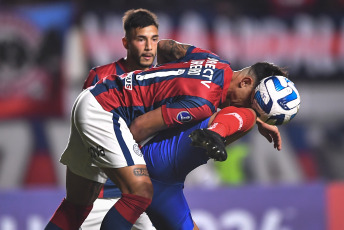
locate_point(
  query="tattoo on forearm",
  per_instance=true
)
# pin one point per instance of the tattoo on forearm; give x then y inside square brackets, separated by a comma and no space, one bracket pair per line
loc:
[177,49]
[171,50]
[140,172]
[183,47]
[172,45]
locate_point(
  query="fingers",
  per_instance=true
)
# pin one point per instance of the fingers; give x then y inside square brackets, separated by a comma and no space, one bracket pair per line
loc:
[272,134]
[268,137]
[277,140]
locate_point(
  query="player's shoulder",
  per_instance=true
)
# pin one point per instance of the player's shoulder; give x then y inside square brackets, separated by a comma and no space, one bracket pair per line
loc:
[116,67]
[200,53]
[195,50]
[105,68]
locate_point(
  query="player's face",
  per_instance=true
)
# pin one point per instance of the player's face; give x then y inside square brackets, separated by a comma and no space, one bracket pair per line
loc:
[141,47]
[242,97]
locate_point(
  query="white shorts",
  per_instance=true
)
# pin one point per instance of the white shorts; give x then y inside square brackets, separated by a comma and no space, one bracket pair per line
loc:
[98,139]
[101,206]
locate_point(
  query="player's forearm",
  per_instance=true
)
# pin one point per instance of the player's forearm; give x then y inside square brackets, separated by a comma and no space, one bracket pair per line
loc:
[147,125]
[170,50]
[270,132]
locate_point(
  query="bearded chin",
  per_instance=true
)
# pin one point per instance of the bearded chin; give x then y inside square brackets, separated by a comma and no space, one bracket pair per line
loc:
[145,65]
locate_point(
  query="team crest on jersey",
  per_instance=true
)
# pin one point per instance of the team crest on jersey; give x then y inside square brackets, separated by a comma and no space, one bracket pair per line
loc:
[184,116]
[137,150]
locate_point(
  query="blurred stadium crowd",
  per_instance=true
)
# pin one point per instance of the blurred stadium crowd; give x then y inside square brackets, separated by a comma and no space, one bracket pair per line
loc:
[48,47]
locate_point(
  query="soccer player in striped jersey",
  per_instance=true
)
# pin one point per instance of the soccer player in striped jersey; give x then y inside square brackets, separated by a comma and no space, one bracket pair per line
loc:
[172,155]
[140,41]
[110,118]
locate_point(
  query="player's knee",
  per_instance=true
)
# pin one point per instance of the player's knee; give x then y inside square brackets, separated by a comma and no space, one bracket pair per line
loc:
[144,189]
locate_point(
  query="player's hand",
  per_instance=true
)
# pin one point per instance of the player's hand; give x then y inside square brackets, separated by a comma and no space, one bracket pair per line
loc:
[271,133]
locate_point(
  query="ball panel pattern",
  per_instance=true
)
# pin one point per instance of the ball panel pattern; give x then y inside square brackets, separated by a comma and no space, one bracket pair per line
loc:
[276,100]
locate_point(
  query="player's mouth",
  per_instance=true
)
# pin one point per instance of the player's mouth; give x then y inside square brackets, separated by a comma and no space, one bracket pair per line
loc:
[147,56]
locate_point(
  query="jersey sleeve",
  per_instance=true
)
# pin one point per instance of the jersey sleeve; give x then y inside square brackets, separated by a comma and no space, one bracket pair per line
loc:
[185,111]
[91,79]
[100,72]
[198,94]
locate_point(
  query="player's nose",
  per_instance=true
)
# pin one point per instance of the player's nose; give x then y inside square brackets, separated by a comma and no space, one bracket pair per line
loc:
[149,45]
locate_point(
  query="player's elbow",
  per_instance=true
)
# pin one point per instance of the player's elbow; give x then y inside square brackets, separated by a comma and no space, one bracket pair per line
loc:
[137,130]
[162,53]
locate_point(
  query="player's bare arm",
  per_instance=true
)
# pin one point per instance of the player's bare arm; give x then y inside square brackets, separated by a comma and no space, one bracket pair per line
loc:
[170,50]
[147,124]
[271,133]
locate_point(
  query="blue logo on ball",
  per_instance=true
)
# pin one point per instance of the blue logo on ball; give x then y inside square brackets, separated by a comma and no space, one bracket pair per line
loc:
[184,116]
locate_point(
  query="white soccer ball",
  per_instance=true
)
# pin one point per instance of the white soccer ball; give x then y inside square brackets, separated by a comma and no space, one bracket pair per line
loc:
[276,100]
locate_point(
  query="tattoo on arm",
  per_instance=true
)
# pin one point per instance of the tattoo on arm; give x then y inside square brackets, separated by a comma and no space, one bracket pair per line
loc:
[171,50]
[177,50]
[141,172]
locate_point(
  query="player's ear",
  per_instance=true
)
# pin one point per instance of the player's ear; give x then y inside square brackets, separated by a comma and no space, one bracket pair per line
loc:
[125,42]
[246,81]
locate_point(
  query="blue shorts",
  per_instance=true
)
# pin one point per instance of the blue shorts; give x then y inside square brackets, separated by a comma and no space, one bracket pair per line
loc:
[169,158]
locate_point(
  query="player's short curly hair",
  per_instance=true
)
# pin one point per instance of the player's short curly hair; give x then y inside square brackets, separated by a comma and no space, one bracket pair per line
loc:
[262,70]
[138,18]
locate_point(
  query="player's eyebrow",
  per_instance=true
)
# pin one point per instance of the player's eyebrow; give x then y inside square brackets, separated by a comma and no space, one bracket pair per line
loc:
[144,36]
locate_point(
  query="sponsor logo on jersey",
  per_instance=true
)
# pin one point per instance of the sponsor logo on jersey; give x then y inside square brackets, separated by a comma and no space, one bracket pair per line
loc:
[137,150]
[96,151]
[129,81]
[184,116]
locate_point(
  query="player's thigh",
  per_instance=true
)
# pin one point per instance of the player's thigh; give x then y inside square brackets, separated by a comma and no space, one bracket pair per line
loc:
[80,190]
[169,209]
[99,139]
[132,179]
[78,155]
[106,136]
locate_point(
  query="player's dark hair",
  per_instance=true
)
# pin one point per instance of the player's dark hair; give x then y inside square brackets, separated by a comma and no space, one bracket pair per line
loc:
[138,18]
[262,70]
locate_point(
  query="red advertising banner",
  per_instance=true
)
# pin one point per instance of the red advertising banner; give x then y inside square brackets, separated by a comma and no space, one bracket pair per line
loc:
[335,199]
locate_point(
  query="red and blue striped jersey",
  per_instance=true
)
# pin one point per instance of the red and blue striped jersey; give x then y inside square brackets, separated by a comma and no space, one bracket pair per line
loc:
[100,72]
[189,89]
